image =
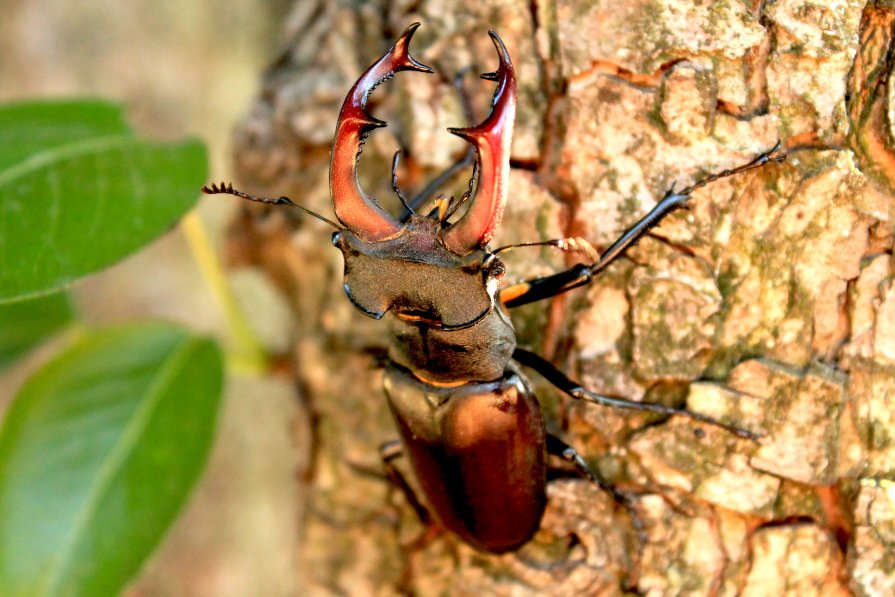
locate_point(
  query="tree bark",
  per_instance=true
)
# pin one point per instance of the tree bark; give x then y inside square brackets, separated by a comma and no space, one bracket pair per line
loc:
[768,304]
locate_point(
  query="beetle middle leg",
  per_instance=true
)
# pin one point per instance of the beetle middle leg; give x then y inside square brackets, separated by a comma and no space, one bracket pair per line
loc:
[574,389]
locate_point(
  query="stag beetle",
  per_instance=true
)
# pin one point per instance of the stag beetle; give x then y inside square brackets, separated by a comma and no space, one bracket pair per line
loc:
[468,419]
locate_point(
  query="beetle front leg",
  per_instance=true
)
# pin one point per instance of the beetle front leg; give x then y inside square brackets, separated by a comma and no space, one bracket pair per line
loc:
[578,392]
[582,274]
[419,201]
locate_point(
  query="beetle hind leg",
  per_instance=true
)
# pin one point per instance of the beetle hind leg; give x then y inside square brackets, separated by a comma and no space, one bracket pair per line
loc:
[558,447]
[388,452]
[625,499]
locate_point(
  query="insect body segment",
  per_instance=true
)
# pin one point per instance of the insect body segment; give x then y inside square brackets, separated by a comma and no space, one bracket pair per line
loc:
[478,451]
[469,421]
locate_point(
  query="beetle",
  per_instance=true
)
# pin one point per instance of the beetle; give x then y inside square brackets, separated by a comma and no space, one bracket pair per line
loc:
[468,418]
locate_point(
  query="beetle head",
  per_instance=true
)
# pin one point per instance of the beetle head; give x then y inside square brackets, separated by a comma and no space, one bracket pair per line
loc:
[419,279]
[419,266]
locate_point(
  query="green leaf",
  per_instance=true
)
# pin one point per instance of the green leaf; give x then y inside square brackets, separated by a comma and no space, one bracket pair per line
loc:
[81,192]
[97,455]
[29,128]
[24,324]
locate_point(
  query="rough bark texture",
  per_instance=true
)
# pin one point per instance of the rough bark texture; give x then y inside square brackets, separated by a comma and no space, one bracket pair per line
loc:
[769,304]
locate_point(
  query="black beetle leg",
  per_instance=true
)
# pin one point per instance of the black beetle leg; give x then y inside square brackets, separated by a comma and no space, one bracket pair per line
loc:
[626,500]
[397,189]
[575,390]
[581,274]
[557,447]
[429,191]
[388,452]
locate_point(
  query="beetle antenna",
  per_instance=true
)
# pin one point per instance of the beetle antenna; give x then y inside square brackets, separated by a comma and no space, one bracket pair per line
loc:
[227,189]
[395,186]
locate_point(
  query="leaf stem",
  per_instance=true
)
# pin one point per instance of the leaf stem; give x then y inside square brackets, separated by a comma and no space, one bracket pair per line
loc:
[248,356]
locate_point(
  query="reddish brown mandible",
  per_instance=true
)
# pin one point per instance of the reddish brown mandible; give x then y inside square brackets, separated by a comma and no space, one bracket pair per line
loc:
[363,215]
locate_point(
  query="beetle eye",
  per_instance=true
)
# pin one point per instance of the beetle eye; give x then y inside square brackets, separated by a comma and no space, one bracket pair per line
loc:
[498,269]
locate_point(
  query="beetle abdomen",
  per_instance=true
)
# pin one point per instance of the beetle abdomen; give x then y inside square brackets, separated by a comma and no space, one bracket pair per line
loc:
[478,452]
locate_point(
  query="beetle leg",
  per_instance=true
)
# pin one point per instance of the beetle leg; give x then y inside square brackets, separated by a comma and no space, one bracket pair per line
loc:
[581,274]
[576,391]
[558,447]
[388,452]
[397,189]
[421,198]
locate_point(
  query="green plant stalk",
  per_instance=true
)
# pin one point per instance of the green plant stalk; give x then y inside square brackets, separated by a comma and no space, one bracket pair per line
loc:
[248,355]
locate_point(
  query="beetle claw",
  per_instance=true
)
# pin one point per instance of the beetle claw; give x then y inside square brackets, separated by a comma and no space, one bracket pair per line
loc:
[491,138]
[357,211]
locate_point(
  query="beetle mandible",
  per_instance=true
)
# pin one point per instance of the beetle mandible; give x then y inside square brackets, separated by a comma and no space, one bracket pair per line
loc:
[468,419]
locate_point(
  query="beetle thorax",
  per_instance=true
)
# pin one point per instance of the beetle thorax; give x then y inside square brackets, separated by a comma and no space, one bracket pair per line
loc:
[447,323]
[417,278]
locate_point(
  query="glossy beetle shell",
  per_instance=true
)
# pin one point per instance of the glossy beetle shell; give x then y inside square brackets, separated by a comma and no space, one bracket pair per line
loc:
[478,451]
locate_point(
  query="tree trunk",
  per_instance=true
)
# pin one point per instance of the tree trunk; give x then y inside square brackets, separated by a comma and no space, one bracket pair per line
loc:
[768,304]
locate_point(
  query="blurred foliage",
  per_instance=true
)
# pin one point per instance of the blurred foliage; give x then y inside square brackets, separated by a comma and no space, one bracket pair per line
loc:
[97,455]
[101,446]
[27,323]
[81,190]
